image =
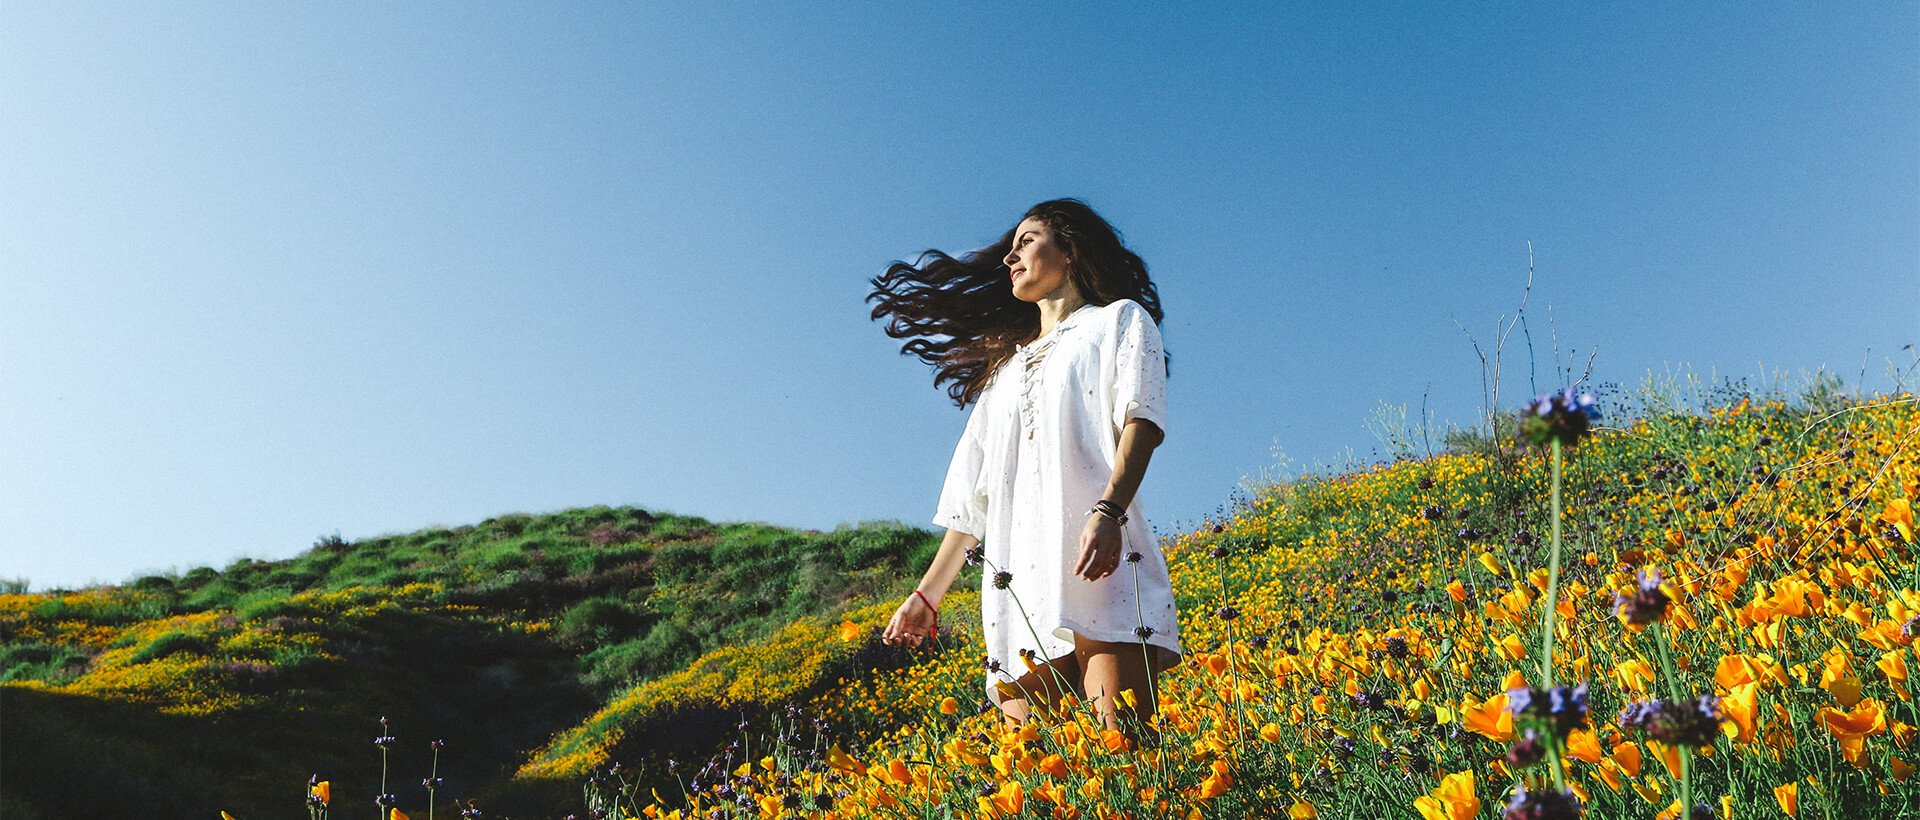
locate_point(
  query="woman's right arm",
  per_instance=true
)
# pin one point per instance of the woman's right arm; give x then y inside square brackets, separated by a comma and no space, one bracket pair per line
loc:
[911,622]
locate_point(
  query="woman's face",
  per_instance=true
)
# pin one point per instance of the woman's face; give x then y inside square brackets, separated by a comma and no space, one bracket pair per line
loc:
[1037,263]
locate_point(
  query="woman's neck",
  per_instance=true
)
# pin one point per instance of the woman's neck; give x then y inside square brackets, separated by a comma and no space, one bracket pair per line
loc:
[1053,310]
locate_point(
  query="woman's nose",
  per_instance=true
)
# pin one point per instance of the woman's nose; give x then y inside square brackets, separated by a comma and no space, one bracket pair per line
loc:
[1011,258]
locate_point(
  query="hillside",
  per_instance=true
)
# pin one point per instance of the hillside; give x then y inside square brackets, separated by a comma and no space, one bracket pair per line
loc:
[225,689]
[1352,642]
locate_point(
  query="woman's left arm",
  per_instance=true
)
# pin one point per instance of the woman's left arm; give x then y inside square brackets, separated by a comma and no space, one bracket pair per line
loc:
[1100,539]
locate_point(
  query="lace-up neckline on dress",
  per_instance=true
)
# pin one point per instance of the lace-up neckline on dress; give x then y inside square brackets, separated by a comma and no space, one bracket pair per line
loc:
[1032,356]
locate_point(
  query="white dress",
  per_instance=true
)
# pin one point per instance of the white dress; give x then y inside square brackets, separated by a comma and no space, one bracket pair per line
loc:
[1038,451]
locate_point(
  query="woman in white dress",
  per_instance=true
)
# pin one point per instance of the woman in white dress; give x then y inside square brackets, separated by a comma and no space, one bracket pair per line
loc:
[1052,335]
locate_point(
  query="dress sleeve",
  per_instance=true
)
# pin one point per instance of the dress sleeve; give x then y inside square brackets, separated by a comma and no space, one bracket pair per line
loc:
[1140,370]
[963,501]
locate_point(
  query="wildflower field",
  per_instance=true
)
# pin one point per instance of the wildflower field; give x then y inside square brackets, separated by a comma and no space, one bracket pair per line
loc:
[1711,612]
[1734,611]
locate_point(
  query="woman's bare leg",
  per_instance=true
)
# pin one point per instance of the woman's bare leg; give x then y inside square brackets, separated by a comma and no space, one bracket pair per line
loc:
[1044,686]
[1111,668]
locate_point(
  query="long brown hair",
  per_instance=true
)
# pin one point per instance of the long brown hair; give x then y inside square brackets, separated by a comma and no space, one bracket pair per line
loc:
[969,300]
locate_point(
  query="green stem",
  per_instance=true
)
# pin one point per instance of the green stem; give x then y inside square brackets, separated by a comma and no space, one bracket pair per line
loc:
[1060,680]
[1686,783]
[1553,764]
[1660,640]
[383,778]
[1553,581]
[430,777]
[1153,686]
[1233,666]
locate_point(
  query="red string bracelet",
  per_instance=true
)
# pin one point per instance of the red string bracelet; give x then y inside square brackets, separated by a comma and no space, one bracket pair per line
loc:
[935,631]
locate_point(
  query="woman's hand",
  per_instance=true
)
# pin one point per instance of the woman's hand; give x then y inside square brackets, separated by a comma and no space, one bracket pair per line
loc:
[1099,548]
[911,623]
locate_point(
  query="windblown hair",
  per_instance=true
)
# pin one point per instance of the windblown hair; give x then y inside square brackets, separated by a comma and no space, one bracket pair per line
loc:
[961,316]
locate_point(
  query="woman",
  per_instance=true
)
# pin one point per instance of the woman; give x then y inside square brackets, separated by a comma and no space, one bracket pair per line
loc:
[1052,335]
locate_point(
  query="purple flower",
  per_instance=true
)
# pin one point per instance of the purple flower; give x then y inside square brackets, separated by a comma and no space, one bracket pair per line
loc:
[1542,805]
[1560,709]
[1527,751]
[1565,416]
[1567,704]
[1648,603]
[1519,699]
[1693,722]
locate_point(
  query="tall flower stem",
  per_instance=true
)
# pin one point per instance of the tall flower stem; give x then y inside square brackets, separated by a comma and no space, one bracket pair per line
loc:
[1553,585]
[1233,662]
[1662,640]
[431,777]
[1667,669]
[1059,679]
[1686,782]
[1153,686]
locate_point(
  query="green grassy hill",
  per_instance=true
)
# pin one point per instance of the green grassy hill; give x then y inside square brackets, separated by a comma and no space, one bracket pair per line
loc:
[225,690]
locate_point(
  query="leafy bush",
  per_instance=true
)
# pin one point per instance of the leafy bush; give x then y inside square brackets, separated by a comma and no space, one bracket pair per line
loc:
[596,621]
[52,663]
[171,643]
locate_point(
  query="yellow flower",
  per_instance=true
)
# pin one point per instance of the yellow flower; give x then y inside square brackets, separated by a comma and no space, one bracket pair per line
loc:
[1217,783]
[1733,670]
[844,762]
[1092,788]
[1453,799]
[1270,733]
[1788,795]
[1512,648]
[1853,727]
[324,790]
[396,814]
[1054,765]
[1583,745]
[1740,705]
[1634,674]
[1899,513]
[949,706]
[850,631]
[1005,802]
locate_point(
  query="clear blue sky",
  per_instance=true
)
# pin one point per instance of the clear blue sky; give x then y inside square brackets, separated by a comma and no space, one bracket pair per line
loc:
[269,271]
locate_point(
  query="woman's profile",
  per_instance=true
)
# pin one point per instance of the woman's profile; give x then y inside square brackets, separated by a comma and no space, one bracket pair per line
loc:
[1052,335]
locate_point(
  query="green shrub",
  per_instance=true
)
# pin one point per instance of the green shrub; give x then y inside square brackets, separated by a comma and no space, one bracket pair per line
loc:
[154,583]
[262,604]
[53,663]
[614,667]
[668,646]
[596,621]
[219,593]
[879,544]
[196,578]
[171,643]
